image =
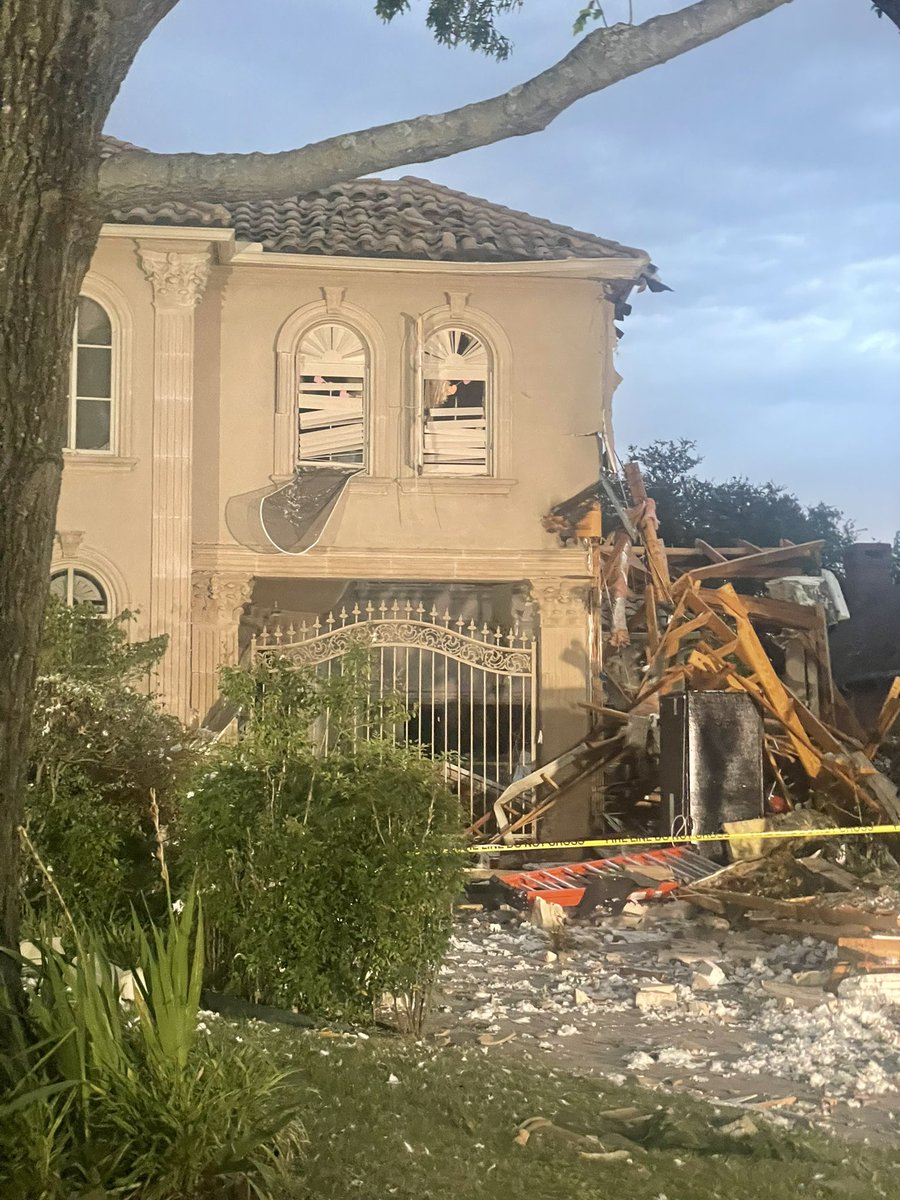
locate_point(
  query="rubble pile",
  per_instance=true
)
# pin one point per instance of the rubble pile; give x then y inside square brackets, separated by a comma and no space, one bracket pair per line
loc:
[681,997]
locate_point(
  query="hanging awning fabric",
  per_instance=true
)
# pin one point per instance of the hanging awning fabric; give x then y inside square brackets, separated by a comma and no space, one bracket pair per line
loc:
[289,518]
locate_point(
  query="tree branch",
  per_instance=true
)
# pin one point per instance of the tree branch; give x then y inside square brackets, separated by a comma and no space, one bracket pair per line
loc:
[603,58]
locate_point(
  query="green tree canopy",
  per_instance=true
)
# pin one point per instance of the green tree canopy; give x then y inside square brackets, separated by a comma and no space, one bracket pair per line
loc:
[723,512]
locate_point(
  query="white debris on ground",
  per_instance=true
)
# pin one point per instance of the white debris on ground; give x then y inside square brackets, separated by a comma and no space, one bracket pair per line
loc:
[674,991]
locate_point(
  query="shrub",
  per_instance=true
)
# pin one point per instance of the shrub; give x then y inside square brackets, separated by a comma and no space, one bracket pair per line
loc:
[103,1099]
[328,878]
[100,749]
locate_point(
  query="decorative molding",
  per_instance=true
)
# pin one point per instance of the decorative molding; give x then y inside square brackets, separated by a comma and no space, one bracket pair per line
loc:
[69,541]
[560,601]
[178,278]
[334,298]
[456,302]
[423,564]
[219,597]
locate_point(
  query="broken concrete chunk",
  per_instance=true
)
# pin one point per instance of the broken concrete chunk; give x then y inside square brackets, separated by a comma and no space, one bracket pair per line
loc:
[801,997]
[743,1127]
[581,997]
[662,995]
[814,979]
[547,915]
[708,975]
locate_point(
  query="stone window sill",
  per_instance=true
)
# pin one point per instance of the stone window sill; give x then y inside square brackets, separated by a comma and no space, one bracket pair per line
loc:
[86,461]
[457,485]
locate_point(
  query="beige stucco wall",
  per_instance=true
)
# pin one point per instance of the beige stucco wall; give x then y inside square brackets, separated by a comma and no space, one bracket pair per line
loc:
[553,339]
[108,498]
[553,381]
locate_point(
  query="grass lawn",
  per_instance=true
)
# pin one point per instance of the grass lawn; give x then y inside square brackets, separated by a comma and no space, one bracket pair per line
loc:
[386,1117]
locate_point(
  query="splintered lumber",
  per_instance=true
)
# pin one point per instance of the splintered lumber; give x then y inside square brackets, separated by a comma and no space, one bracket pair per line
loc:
[645,518]
[802,910]
[559,774]
[750,565]
[650,616]
[890,710]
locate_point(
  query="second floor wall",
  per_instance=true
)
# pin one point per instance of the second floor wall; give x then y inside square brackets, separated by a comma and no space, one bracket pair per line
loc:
[465,395]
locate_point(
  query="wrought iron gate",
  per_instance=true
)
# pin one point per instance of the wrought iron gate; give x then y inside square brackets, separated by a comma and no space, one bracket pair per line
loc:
[469,692]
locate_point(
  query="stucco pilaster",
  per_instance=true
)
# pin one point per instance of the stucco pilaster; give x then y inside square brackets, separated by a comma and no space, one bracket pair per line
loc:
[564,655]
[218,599]
[178,280]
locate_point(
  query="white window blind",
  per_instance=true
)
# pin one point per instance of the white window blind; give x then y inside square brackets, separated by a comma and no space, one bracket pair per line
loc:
[455,405]
[333,371]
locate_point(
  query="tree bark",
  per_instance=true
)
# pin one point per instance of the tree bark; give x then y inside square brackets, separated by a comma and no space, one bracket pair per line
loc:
[603,58]
[61,63]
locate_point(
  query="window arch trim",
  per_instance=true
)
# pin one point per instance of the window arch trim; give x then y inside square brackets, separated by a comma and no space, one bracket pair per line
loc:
[114,302]
[498,403]
[287,382]
[99,567]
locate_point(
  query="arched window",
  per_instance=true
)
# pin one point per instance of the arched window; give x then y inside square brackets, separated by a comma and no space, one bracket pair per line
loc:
[455,402]
[332,396]
[91,414]
[74,586]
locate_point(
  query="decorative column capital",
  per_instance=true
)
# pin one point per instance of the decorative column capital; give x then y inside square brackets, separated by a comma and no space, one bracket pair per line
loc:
[178,278]
[560,601]
[218,597]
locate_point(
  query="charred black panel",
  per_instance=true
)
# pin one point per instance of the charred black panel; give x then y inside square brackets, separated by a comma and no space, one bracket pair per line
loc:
[710,761]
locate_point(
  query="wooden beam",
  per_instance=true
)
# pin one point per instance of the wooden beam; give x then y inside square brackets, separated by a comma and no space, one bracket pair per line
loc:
[783,613]
[751,546]
[651,618]
[746,566]
[709,551]
[890,711]
[648,524]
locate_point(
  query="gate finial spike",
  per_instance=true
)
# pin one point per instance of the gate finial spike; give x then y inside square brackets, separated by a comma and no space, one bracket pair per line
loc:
[355,612]
[447,617]
[420,610]
[291,631]
[343,614]
[329,621]
[434,613]
[370,608]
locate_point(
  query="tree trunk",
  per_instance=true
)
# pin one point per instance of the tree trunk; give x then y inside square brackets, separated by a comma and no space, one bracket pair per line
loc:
[59,73]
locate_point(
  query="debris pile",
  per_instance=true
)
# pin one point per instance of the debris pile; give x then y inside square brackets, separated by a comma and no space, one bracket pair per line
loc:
[744,621]
[718,1004]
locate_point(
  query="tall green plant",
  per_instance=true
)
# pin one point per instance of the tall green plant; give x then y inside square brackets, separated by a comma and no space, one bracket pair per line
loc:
[110,1100]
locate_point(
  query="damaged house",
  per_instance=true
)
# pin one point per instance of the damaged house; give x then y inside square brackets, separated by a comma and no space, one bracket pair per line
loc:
[343,416]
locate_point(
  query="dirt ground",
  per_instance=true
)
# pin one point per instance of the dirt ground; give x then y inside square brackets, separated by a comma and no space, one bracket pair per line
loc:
[679,1001]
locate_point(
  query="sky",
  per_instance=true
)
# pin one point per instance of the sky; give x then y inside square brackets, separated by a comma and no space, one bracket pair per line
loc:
[761,172]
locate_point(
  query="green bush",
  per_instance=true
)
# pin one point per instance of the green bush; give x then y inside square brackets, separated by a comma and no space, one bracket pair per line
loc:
[105,1099]
[101,750]
[327,878]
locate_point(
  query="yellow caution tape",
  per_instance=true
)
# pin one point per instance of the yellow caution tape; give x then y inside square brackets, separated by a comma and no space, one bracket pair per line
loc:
[689,839]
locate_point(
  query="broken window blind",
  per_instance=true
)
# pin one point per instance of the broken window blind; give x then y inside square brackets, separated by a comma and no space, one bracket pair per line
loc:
[332,396]
[455,427]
